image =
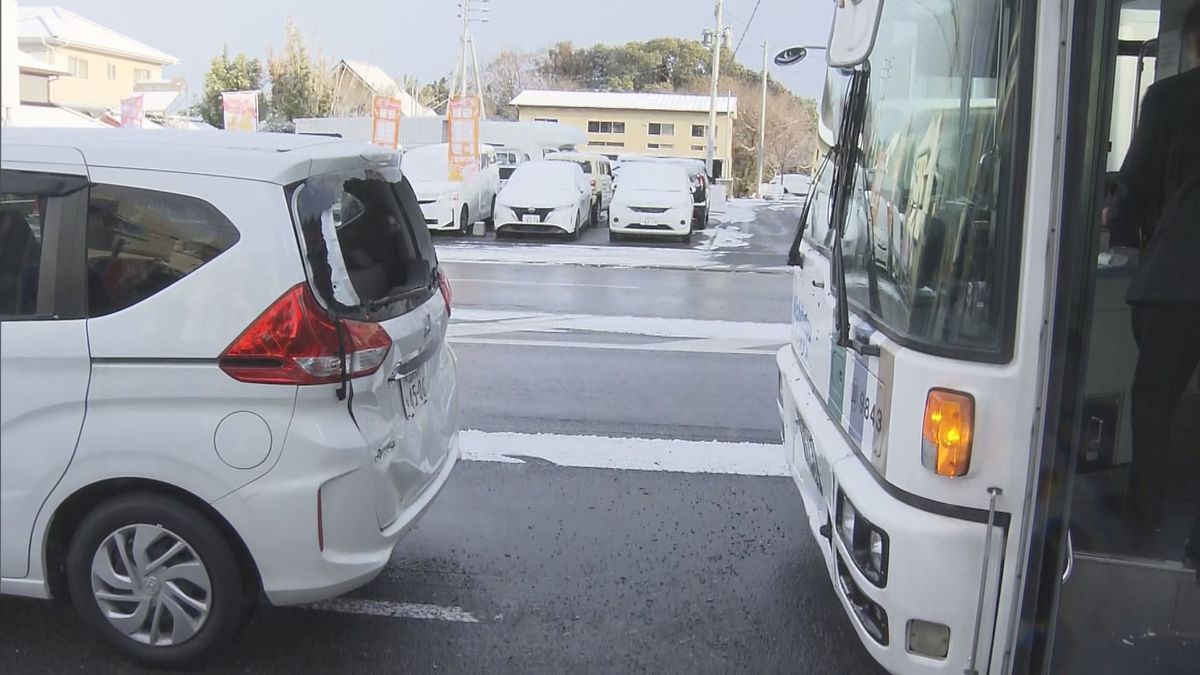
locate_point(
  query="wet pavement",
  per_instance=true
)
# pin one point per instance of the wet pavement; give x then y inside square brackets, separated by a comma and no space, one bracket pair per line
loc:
[690,554]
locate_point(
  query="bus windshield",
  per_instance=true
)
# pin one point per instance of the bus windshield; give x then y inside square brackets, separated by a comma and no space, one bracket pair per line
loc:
[926,247]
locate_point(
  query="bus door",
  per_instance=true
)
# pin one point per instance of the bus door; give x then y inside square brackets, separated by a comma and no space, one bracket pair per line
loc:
[1105,594]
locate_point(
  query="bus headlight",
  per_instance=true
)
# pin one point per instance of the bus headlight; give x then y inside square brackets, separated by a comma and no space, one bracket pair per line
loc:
[947,432]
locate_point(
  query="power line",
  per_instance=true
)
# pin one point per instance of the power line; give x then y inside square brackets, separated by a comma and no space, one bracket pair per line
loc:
[746,29]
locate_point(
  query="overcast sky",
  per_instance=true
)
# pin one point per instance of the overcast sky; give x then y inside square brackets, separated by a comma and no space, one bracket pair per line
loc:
[420,37]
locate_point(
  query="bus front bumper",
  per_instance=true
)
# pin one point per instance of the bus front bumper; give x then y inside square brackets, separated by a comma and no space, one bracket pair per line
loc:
[916,614]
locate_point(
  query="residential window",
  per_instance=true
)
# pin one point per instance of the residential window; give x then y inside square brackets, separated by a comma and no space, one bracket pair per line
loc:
[141,74]
[112,71]
[660,129]
[77,67]
[700,148]
[661,146]
[139,242]
[600,127]
[545,119]
[701,131]
[606,144]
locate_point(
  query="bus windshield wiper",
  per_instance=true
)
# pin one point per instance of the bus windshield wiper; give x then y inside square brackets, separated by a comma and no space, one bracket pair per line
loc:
[849,141]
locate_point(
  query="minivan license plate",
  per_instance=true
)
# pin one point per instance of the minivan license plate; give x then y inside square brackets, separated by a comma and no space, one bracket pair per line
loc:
[413,392]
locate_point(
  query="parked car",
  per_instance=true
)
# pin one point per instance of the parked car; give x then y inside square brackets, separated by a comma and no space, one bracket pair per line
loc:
[652,199]
[598,169]
[255,326]
[452,205]
[543,197]
[697,175]
[508,159]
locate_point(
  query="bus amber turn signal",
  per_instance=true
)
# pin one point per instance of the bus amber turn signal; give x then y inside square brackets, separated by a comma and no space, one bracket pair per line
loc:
[948,432]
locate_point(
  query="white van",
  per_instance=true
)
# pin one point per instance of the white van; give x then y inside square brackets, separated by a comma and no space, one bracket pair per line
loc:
[225,376]
[452,205]
[598,170]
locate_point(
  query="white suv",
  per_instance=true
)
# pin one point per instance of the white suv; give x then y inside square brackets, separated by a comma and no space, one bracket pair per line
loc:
[224,376]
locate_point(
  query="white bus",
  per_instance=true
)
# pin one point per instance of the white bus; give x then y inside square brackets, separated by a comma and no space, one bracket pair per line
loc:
[955,398]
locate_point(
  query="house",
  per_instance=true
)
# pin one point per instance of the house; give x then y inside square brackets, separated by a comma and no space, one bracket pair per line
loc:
[665,125]
[357,83]
[25,81]
[102,66]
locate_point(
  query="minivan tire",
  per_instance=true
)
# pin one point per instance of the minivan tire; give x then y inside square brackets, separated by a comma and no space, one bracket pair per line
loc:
[489,223]
[228,604]
[464,221]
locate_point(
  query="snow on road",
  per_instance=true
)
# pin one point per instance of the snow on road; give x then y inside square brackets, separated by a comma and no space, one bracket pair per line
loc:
[630,454]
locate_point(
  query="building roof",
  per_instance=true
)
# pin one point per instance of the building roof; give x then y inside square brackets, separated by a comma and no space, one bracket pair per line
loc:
[30,115]
[56,23]
[382,84]
[28,63]
[273,158]
[614,100]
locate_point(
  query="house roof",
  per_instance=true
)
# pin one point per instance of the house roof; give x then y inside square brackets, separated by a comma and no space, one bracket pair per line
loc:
[383,85]
[614,100]
[28,63]
[29,115]
[56,23]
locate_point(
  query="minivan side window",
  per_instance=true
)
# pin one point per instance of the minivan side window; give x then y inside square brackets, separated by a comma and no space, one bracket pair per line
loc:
[22,231]
[35,208]
[139,242]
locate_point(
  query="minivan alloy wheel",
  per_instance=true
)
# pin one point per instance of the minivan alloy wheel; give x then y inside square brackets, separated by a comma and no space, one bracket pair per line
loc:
[151,585]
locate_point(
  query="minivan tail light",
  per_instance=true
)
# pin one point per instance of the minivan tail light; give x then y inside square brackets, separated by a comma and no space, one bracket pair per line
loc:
[296,342]
[444,287]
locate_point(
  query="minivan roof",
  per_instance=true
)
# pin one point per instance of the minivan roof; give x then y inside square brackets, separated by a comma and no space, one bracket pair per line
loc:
[271,157]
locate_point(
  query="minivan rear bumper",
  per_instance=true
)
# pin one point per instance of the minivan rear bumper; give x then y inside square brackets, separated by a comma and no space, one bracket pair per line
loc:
[277,517]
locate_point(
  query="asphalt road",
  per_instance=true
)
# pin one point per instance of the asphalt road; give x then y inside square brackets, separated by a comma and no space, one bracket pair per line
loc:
[688,554]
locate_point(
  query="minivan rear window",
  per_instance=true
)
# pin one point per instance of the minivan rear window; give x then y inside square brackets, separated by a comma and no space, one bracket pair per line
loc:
[366,248]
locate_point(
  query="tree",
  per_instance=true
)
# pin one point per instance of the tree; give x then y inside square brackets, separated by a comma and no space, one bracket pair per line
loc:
[435,95]
[224,74]
[300,85]
[790,139]
[507,75]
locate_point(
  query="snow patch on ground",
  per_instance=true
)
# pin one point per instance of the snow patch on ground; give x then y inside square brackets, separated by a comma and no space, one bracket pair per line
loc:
[635,454]
[468,321]
[588,256]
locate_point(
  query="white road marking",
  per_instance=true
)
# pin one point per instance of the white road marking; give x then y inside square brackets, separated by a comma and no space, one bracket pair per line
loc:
[635,454]
[400,610]
[506,282]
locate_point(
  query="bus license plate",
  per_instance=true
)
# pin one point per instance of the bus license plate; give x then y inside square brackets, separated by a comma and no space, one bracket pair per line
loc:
[413,392]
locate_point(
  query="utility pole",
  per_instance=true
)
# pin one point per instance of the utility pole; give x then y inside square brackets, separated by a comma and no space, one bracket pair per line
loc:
[468,59]
[717,37]
[762,124]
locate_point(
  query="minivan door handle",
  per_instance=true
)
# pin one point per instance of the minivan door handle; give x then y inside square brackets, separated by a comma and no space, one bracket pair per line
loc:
[817,283]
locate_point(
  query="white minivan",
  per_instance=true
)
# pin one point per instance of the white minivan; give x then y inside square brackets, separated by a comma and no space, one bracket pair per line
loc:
[598,170]
[223,376]
[452,206]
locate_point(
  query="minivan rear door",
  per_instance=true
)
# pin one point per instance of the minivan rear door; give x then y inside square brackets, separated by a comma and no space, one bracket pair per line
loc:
[370,258]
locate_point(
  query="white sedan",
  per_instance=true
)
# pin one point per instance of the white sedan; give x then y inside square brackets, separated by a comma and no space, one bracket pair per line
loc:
[544,197]
[652,199]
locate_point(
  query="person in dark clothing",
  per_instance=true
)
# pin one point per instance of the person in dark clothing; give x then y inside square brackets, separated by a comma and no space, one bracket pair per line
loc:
[1157,208]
